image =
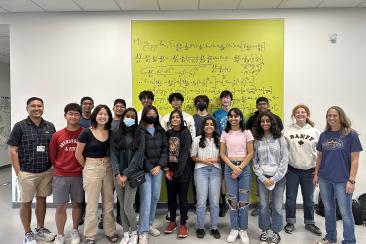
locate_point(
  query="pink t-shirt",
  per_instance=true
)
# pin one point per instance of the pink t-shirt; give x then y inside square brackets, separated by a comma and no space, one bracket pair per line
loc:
[236,142]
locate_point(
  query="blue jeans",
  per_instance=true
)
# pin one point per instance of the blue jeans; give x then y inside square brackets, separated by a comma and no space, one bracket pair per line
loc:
[238,193]
[304,178]
[149,196]
[208,182]
[330,191]
[265,217]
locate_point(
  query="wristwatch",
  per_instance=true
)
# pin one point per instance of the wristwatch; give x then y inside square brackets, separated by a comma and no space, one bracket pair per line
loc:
[352,181]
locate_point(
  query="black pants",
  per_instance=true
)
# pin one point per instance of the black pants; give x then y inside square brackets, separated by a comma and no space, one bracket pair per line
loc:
[179,189]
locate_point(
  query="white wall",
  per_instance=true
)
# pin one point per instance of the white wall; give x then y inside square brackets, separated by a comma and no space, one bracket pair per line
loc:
[4,118]
[62,57]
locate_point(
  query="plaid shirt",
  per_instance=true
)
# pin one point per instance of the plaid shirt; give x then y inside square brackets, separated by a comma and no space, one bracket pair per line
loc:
[27,137]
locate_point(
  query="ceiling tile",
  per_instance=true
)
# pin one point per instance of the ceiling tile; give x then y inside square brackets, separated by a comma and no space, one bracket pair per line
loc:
[138,4]
[20,6]
[58,5]
[219,4]
[98,5]
[340,3]
[249,4]
[300,3]
[178,4]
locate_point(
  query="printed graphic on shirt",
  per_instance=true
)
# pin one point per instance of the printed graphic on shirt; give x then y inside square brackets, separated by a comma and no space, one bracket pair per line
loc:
[223,122]
[174,149]
[333,144]
[301,138]
[69,144]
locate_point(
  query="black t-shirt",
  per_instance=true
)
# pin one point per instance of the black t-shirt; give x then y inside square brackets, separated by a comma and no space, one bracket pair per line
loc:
[93,147]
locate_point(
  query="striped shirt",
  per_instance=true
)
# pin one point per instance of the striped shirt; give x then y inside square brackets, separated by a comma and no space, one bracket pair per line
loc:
[270,158]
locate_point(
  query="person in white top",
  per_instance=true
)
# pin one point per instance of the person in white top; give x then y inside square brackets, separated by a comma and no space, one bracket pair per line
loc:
[146,98]
[207,175]
[301,138]
[176,100]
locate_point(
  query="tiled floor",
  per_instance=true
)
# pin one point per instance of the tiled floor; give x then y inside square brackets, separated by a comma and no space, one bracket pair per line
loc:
[11,230]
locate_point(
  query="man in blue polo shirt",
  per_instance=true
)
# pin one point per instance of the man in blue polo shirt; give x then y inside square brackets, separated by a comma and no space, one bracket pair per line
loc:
[28,149]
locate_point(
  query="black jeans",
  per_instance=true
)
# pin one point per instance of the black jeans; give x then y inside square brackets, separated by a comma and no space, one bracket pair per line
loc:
[179,189]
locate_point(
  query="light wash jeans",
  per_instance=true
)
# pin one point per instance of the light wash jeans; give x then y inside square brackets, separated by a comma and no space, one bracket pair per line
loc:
[149,196]
[208,182]
[330,191]
[238,190]
[265,222]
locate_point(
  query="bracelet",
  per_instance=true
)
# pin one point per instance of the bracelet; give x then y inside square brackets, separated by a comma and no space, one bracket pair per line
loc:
[352,181]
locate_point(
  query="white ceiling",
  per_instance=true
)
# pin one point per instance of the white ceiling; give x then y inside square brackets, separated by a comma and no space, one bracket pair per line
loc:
[13,6]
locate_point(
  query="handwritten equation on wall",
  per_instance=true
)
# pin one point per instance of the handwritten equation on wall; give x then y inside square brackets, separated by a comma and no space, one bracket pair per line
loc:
[206,57]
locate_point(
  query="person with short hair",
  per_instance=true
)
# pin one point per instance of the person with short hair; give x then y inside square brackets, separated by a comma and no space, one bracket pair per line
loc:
[336,168]
[92,154]
[119,106]
[270,165]
[301,138]
[146,98]
[176,100]
[29,155]
[67,177]
[226,99]
[87,105]
[201,103]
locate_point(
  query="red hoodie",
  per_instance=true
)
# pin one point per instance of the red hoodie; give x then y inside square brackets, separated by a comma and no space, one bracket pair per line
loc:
[62,153]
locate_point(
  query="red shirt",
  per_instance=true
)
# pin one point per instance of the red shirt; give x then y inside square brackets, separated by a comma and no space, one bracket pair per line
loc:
[62,153]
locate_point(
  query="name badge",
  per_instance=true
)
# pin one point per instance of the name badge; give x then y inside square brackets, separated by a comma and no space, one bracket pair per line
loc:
[41,148]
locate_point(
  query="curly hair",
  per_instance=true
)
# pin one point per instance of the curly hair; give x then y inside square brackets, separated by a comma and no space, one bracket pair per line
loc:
[258,131]
[215,136]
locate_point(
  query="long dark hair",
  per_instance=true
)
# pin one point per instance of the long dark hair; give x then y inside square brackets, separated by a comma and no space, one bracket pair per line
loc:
[182,121]
[119,141]
[241,122]
[94,114]
[343,119]
[215,136]
[258,131]
[145,111]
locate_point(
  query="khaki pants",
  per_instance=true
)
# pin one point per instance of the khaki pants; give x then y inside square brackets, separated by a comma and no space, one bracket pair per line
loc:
[98,178]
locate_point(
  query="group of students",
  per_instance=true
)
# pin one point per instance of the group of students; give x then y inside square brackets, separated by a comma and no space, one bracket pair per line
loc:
[216,151]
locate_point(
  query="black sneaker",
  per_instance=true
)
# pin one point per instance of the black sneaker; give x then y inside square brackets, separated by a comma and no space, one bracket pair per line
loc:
[200,233]
[313,229]
[289,228]
[263,238]
[215,233]
[275,239]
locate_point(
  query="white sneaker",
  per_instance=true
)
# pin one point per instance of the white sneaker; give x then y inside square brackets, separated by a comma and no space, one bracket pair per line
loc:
[232,236]
[44,234]
[29,238]
[60,239]
[143,238]
[133,238]
[244,237]
[125,239]
[153,231]
[75,237]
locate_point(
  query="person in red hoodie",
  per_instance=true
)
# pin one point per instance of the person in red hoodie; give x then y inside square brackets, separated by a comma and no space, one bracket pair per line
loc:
[67,180]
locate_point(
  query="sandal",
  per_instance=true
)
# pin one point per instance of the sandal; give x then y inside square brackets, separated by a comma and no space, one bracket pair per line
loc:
[90,241]
[113,238]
